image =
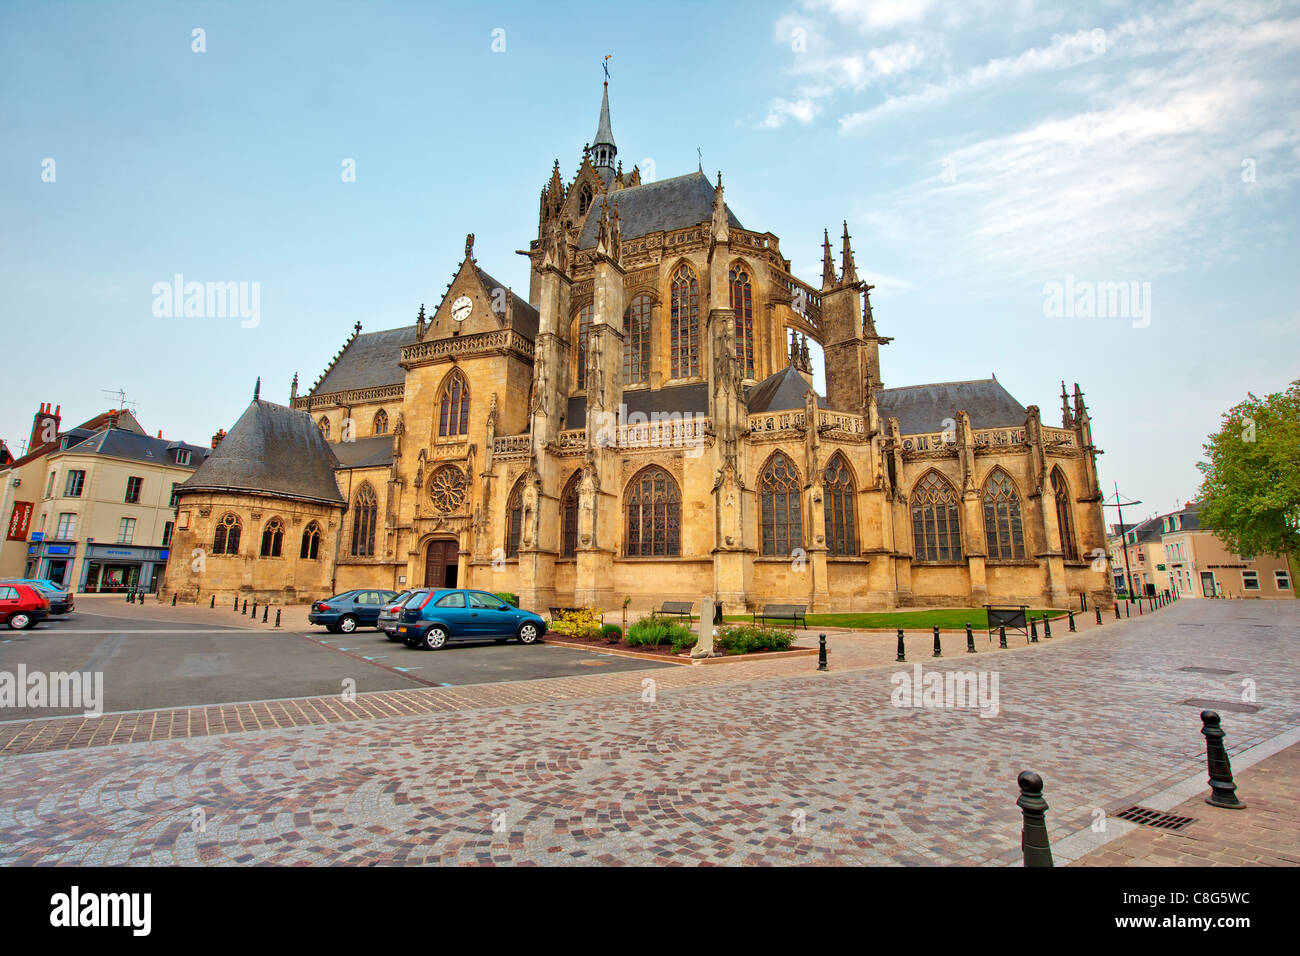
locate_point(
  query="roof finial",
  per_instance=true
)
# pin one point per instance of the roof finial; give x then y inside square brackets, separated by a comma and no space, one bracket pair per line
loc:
[847,265]
[293,389]
[829,278]
[257,389]
[356,329]
[469,246]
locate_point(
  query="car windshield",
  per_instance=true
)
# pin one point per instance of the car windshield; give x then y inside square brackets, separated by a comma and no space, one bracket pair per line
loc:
[402,598]
[346,595]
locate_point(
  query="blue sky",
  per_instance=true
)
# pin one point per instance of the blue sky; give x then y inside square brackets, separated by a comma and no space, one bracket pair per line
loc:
[978,150]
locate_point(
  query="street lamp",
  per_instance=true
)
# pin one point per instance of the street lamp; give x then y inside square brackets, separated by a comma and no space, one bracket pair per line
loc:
[1123,535]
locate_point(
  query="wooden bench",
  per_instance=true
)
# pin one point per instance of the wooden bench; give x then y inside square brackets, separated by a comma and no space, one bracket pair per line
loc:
[677,608]
[794,613]
[1011,616]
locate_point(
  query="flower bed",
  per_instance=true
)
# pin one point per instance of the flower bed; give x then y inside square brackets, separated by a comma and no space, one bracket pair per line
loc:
[667,637]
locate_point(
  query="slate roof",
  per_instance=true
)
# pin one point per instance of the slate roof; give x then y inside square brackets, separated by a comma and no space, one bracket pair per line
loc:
[526,318]
[120,443]
[687,399]
[923,408]
[364,452]
[370,360]
[655,207]
[780,392]
[271,450]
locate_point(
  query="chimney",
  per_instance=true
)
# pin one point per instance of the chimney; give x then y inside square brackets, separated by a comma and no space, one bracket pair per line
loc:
[216,439]
[45,426]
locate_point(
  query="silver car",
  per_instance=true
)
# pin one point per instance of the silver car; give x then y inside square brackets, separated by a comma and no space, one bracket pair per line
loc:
[390,612]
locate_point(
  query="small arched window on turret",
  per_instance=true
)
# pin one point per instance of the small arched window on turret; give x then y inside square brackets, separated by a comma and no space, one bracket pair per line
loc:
[584,200]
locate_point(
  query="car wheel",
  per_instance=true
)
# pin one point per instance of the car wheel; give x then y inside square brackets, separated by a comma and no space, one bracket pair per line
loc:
[347,624]
[20,621]
[332,628]
[528,634]
[434,638]
[392,637]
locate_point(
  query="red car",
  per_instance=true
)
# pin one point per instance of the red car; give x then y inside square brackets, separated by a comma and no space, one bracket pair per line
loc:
[21,605]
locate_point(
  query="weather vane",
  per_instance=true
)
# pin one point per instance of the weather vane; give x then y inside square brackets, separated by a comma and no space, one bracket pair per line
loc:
[605,64]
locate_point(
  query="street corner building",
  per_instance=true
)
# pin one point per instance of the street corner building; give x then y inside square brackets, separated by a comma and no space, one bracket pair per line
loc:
[644,424]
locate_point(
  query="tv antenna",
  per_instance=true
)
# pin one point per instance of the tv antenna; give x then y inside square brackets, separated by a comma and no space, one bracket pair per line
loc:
[119,395]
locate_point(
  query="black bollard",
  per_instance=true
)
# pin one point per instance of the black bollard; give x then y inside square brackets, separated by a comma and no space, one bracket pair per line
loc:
[821,652]
[1033,631]
[1117,610]
[1047,628]
[128,596]
[277,617]
[214,602]
[1223,792]
[1072,622]
[1128,609]
[1139,607]
[254,609]
[1098,610]
[938,649]
[266,608]
[236,603]
[1033,835]
[902,656]
[970,640]
[245,611]
[1083,602]
[173,599]
[1002,636]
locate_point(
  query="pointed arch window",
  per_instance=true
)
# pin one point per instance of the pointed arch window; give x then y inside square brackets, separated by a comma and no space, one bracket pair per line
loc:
[1004,531]
[636,353]
[685,328]
[272,538]
[742,300]
[381,422]
[324,426]
[839,493]
[584,200]
[514,518]
[569,517]
[580,345]
[1064,513]
[936,525]
[365,514]
[453,406]
[310,549]
[226,538]
[780,507]
[654,515]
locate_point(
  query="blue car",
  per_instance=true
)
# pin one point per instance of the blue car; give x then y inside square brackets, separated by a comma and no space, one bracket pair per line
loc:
[352,609]
[463,615]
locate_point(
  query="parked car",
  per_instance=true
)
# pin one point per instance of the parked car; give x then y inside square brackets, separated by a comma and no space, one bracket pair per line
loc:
[388,614]
[22,606]
[61,599]
[458,614]
[350,610]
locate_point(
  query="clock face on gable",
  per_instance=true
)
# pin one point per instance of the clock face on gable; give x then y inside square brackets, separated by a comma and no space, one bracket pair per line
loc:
[461,308]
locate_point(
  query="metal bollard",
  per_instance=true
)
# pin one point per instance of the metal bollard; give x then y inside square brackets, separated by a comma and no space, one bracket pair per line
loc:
[1117,610]
[902,655]
[1083,602]
[938,649]
[1223,791]
[128,596]
[1034,842]
[266,608]
[245,611]
[1098,609]
[236,603]
[1139,607]
[970,640]
[173,599]
[1002,636]
[214,602]
[1033,631]
[1072,622]
[821,652]
[277,617]
[1128,609]
[254,609]
[1047,627]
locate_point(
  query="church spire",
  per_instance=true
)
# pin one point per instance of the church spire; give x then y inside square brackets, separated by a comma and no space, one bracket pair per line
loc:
[829,278]
[849,269]
[603,150]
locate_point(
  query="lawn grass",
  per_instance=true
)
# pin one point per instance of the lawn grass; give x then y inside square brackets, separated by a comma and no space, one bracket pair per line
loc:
[955,618]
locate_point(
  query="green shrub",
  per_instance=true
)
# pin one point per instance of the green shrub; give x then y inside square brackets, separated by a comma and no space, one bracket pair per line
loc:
[612,633]
[649,631]
[508,596]
[753,639]
[681,638]
[583,622]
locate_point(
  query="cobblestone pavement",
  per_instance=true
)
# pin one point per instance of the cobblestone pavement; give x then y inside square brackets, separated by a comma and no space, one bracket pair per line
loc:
[1266,833]
[724,766]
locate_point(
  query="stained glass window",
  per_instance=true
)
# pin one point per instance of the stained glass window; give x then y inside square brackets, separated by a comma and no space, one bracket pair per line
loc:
[365,514]
[1003,528]
[310,542]
[453,406]
[272,538]
[569,517]
[685,328]
[1063,516]
[936,526]
[447,488]
[580,346]
[514,519]
[381,422]
[636,354]
[780,510]
[839,496]
[226,538]
[742,300]
[654,515]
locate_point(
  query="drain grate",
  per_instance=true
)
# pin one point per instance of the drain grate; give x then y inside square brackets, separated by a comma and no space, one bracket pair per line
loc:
[1207,670]
[1231,706]
[1154,818]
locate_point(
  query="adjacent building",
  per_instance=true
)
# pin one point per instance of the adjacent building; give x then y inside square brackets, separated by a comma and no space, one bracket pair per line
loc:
[92,507]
